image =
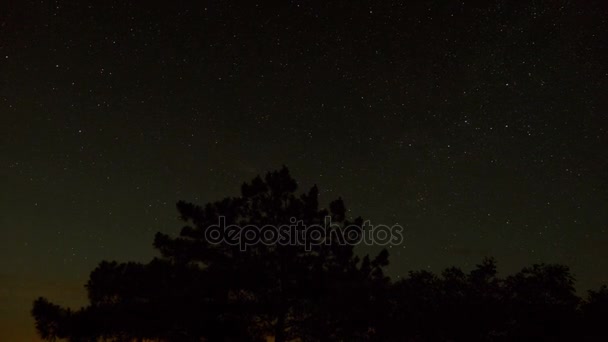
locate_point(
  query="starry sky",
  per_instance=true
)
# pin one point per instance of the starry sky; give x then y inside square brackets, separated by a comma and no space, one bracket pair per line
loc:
[479,126]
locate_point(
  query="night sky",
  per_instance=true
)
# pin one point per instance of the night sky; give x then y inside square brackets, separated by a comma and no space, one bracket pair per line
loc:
[481,128]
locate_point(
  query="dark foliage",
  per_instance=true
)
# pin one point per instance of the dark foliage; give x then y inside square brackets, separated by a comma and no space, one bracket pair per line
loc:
[199,291]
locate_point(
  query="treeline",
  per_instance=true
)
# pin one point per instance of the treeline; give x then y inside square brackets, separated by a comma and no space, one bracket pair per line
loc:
[198,291]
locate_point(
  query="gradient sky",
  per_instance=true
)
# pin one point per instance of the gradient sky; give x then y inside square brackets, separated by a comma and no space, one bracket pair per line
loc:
[480,128]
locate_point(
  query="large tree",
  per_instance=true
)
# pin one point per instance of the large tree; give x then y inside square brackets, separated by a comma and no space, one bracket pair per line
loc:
[204,290]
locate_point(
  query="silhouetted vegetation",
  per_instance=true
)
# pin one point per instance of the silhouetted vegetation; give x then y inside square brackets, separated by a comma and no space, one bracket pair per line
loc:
[199,291]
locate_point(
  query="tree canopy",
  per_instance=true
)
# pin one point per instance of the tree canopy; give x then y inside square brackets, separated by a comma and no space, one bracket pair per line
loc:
[200,290]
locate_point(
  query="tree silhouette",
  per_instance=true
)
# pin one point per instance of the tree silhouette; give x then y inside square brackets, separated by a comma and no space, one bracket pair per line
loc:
[542,303]
[50,319]
[200,290]
[595,314]
[218,291]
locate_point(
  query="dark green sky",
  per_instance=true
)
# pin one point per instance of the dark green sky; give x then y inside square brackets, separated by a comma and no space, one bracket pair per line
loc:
[480,128]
